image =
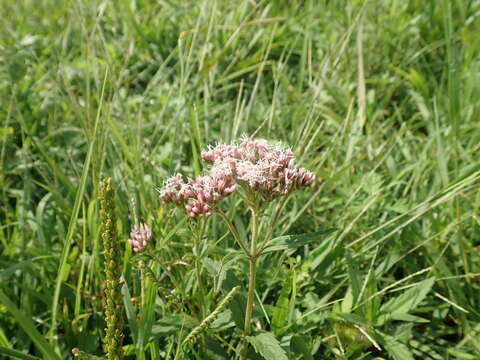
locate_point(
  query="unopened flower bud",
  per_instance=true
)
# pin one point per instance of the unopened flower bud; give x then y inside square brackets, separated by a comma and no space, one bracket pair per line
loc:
[139,237]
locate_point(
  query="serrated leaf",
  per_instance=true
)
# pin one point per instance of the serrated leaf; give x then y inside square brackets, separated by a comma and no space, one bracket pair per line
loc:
[410,299]
[223,321]
[213,267]
[396,349]
[294,241]
[267,345]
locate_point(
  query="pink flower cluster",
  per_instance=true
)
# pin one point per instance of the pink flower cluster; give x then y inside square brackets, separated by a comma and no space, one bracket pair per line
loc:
[139,237]
[253,164]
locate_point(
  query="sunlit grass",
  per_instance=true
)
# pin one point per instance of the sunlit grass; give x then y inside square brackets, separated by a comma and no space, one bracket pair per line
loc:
[378,98]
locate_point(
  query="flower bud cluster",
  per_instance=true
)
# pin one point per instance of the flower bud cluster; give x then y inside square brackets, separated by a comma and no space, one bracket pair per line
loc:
[254,163]
[139,237]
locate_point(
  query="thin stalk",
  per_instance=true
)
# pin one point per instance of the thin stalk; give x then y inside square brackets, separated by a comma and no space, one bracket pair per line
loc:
[197,237]
[269,233]
[251,292]
[233,230]
[252,259]
[252,268]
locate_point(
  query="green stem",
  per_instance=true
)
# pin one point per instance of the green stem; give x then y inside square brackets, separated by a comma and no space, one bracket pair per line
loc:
[196,241]
[233,230]
[252,268]
[272,225]
[251,292]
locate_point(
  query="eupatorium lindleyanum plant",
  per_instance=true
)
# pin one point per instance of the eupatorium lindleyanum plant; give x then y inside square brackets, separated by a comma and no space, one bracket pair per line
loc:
[259,173]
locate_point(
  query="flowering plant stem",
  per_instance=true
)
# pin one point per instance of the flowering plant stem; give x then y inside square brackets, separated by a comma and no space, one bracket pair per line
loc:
[252,270]
[233,230]
[252,260]
[197,238]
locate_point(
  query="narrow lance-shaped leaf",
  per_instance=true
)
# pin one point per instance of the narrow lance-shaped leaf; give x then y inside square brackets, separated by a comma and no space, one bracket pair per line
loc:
[280,311]
[410,299]
[294,241]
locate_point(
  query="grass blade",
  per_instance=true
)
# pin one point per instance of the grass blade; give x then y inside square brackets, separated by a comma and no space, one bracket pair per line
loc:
[63,268]
[27,326]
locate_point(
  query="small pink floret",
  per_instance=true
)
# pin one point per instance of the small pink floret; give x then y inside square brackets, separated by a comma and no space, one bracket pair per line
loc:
[139,237]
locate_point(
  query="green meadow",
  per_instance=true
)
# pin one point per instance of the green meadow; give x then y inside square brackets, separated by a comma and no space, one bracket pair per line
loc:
[380,99]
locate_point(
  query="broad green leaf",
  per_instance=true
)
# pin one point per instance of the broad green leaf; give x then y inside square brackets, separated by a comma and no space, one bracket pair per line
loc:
[294,241]
[410,299]
[223,321]
[171,325]
[267,345]
[396,349]
[215,350]
[299,346]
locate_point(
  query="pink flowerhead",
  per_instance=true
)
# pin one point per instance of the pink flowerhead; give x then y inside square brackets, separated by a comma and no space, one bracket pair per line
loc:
[264,168]
[175,190]
[254,163]
[139,237]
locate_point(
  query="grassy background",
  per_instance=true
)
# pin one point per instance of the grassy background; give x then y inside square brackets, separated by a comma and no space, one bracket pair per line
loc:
[378,98]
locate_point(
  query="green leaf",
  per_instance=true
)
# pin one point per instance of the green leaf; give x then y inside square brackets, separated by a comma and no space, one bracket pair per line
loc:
[171,325]
[64,266]
[299,346]
[352,318]
[462,355]
[347,302]
[129,310]
[147,318]
[396,349]
[214,350]
[294,241]
[28,326]
[408,317]
[355,283]
[223,321]
[410,299]
[17,354]
[280,312]
[267,345]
